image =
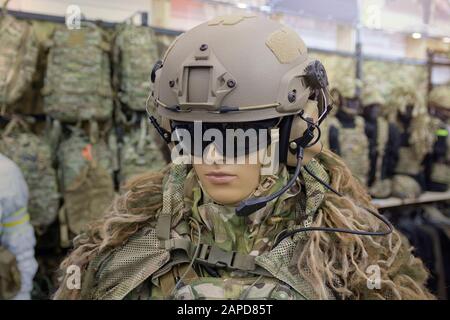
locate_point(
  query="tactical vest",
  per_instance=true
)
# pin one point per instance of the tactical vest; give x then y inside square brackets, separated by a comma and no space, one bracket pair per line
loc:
[135,52]
[9,274]
[77,81]
[165,247]
[408,162]
[440,168]
[354,147]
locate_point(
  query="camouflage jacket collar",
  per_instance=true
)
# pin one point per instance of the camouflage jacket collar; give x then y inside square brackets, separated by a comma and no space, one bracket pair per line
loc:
[255,233]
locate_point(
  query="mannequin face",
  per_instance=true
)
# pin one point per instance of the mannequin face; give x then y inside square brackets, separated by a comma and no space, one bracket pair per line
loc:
[227,184]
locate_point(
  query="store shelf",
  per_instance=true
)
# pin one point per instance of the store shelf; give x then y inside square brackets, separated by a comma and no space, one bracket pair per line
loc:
[424,198]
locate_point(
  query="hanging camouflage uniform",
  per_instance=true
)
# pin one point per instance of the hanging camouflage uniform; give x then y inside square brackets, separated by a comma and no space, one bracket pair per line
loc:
[18,57]
[223,232]
[85,172]
[383,141]
[346,134]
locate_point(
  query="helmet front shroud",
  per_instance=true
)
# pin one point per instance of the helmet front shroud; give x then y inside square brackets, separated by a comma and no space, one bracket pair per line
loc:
[239,69]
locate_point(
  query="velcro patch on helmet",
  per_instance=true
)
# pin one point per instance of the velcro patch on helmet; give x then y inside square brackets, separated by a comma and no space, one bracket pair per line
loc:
[229,20]
[286,45]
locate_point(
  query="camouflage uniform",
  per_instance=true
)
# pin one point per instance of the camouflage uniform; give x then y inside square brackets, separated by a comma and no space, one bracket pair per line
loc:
[383,140]
[353,146]
[148,276]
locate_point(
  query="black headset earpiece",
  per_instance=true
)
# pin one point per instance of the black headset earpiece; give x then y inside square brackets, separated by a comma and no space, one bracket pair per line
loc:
[158,65]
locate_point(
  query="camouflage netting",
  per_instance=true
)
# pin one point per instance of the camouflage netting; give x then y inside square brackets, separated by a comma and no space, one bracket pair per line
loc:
[440,96]
[389,75]
[372,91]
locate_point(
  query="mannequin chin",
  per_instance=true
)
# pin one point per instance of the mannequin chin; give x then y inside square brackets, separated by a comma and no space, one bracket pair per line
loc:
[227,184]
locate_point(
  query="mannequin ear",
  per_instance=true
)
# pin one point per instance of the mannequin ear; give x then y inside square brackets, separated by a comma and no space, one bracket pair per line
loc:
[298,127]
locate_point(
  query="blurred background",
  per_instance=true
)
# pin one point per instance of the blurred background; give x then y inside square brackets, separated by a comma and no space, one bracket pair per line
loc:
[388,64]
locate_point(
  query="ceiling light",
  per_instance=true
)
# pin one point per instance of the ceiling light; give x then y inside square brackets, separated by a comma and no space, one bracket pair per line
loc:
[416,35]
[241,5]
[265,8]
[446,39]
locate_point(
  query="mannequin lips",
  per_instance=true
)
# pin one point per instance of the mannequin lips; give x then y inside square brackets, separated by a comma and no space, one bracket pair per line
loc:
[220,177]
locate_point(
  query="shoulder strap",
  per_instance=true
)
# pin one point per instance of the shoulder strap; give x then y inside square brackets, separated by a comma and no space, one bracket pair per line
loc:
[213,256]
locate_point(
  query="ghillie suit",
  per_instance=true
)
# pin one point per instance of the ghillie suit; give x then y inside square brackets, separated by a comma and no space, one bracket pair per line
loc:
[317,265]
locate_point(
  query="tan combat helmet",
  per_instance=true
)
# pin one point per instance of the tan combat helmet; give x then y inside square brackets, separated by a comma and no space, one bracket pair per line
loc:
[235,69]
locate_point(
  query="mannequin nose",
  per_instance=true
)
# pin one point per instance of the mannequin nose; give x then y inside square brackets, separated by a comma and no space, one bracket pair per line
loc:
[212,154]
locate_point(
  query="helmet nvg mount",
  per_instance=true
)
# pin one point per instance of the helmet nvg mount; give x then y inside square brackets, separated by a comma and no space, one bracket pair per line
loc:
[242,69]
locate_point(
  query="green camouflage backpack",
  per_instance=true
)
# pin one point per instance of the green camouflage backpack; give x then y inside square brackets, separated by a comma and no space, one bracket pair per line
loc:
[135,52]
[18,57]
[139,152]
[77,82]
[33,156]
[85,173]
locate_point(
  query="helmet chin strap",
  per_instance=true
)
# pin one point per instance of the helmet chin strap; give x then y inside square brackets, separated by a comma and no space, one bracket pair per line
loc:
[249,206]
